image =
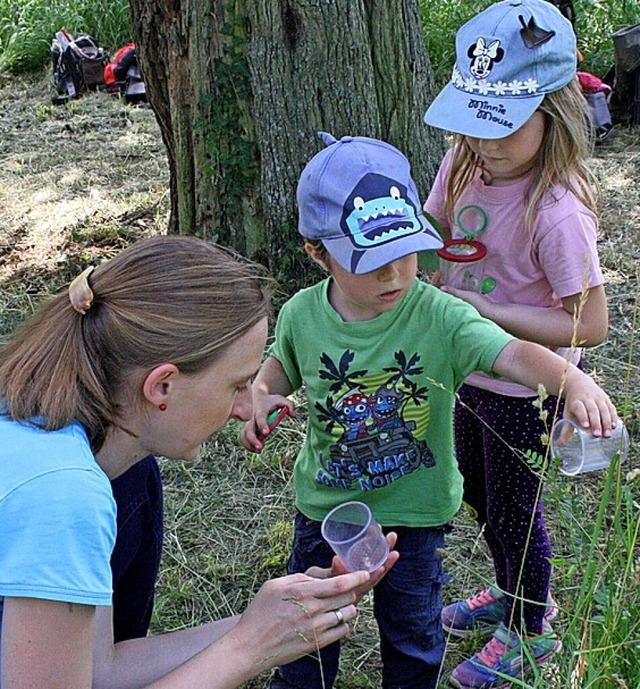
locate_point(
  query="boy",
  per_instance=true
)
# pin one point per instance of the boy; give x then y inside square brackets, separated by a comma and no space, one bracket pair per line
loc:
[381,354]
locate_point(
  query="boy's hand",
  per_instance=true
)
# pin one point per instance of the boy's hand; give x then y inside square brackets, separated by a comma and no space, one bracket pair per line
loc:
[532,365]
[258,425]
[588,404]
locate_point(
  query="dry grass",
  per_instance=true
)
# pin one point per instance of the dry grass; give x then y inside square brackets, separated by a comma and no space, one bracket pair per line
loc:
[79,182]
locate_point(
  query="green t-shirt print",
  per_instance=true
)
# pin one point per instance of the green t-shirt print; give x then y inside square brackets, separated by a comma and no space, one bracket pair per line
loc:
[377,418]
[380,401]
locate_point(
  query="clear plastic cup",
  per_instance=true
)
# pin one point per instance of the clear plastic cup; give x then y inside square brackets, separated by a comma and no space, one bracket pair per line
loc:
[579,451]
[355,536]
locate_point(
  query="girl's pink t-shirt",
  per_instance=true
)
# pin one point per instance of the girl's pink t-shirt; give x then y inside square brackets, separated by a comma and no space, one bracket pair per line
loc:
[557,259]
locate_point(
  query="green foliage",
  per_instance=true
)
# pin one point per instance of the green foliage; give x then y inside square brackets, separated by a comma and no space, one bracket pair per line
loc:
[28,26]
[596,20]
[441,20]
[232,159]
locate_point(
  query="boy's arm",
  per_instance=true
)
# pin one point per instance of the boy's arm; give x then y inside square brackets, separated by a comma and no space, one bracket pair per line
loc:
[531,365]
[270,390]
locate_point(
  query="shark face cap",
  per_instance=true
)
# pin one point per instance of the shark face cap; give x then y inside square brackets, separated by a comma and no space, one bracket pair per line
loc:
[357,196]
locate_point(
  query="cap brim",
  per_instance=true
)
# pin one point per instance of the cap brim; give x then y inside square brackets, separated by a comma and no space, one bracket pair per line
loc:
[479,116]
[358,261]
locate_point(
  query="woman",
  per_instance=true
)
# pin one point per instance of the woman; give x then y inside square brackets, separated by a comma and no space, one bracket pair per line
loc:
[149,353]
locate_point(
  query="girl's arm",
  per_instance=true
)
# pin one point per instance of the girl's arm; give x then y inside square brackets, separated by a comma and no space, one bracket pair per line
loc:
[552,327]
[531,365]
[270,389]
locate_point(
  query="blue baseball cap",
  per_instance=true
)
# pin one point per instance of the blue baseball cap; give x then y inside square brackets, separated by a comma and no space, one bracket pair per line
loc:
[508,58]
[357,196]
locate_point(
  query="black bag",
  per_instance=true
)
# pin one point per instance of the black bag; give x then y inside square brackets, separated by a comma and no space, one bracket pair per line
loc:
[78,65]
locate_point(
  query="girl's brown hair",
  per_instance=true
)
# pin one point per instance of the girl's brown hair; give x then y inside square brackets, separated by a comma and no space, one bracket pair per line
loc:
[166,299]
[562,159]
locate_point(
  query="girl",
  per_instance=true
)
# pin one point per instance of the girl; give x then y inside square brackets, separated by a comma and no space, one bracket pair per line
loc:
[518,163]
[150,352]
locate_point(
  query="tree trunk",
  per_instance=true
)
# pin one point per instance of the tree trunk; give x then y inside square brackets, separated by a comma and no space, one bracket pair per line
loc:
[240,89]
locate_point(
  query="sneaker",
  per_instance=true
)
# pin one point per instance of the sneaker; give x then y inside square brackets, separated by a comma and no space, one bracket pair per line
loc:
[503,659]
[483,613]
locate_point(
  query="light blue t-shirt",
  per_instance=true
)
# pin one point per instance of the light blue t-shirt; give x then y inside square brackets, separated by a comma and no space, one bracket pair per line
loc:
[57,516]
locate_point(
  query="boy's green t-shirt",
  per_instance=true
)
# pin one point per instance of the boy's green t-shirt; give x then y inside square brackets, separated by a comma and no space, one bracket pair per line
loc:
[380,396]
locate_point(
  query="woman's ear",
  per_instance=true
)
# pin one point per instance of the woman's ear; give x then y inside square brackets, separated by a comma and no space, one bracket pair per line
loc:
[158,383]
[317,255]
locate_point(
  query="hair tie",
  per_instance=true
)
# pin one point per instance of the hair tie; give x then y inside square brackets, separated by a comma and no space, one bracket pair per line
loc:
[80,294]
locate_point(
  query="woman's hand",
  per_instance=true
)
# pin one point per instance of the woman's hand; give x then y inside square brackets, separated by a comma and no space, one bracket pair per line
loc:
[337,568]
[296,615]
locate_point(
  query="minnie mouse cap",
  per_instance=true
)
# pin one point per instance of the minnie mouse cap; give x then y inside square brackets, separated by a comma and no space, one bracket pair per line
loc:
[507,58]
[358,197]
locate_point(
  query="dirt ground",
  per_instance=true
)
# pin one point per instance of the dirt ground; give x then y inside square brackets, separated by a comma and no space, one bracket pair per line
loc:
[83,180]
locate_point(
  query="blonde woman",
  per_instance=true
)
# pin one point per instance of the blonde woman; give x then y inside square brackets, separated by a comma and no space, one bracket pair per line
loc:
[152,352]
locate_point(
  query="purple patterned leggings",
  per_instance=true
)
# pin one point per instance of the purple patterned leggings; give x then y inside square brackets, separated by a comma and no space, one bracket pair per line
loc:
[492,434]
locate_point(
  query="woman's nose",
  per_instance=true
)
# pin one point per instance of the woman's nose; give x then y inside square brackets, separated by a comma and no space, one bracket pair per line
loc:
[243,406]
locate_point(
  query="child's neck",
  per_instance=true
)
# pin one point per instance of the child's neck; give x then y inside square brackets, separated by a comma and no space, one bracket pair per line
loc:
[349,311]
[503,180]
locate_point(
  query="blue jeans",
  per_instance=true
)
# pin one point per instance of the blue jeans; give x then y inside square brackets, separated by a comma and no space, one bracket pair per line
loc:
[406,604]
[136,555]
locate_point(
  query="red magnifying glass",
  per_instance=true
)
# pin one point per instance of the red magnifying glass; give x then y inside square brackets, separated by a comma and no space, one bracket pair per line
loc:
[274,418]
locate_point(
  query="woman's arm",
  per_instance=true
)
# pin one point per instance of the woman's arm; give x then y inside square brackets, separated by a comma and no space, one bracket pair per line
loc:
[122,666]
[289,617]
[46,644]
[53,645]
[552,327]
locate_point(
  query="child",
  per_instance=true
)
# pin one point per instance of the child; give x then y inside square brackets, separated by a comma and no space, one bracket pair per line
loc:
[380,354]
[519,154]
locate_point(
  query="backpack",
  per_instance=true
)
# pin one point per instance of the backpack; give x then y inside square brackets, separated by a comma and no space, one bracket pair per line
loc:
[122,76]
[78,65]
[596,92]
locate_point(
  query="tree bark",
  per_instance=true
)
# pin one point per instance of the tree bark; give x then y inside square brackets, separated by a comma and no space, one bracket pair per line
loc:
[240,89]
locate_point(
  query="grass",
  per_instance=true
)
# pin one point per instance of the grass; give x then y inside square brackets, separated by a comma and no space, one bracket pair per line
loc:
[27,28]
[68,198]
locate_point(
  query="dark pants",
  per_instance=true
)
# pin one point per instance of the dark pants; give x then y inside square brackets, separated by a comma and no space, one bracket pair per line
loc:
[493,434]
[407,605]
[136,556]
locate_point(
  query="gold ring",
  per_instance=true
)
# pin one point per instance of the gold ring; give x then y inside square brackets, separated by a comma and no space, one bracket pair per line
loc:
[339,617]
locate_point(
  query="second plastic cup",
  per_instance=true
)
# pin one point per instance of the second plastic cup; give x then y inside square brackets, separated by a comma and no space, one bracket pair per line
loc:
[580,451]
[355,536]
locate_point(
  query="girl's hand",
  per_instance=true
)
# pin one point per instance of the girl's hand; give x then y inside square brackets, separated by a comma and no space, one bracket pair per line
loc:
[296,615]
[337,568]
[474,298]
[257,425]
